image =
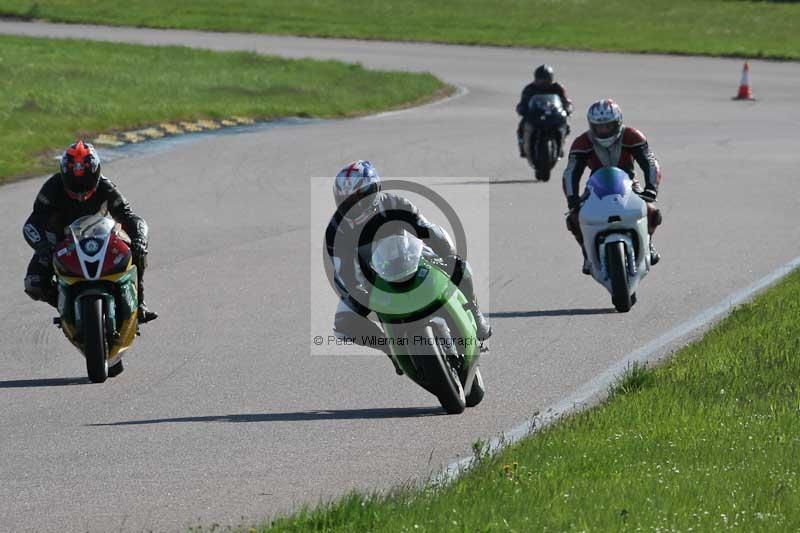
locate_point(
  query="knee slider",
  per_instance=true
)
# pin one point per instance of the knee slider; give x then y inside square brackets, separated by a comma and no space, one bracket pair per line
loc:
[657,218]
[654,218]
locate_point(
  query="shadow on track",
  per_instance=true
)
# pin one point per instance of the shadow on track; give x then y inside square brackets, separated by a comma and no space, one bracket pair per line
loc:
[45,382]
[344,414]
[552,312]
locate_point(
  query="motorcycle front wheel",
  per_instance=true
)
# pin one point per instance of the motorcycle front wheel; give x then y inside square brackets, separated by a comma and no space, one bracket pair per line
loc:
[618,274]
[442,379]
[544,155]
[95,347]
[543,174]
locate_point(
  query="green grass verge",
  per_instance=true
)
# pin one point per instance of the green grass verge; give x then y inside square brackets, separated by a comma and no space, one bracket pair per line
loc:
[715,27]
[56,90]
[709,441]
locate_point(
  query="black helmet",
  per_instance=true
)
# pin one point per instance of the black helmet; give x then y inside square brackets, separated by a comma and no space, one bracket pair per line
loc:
[543,73]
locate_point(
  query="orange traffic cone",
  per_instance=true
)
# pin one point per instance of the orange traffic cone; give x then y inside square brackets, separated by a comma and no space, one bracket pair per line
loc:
[744,86]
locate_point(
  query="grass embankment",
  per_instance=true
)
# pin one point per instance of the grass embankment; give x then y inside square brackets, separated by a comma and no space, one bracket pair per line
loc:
[709,27]
[707,442]
[56,90]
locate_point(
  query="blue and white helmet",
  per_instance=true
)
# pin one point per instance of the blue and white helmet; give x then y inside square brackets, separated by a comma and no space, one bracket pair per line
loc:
[355,190]
[605,122]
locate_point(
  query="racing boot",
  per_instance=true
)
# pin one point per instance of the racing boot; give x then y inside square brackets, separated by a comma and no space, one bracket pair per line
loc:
[145,314]
[655,257]
[484,329]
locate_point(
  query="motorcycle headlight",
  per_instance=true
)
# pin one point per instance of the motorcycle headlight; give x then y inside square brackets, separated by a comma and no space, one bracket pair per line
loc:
[91,246]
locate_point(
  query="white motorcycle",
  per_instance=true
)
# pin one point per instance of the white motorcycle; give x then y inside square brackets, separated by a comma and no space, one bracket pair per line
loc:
[613,220]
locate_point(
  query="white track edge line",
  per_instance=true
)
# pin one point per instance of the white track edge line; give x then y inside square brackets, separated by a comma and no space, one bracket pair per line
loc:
[597,388]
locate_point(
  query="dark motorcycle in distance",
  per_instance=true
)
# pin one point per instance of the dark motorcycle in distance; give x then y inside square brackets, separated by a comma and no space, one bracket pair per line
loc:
[545,130]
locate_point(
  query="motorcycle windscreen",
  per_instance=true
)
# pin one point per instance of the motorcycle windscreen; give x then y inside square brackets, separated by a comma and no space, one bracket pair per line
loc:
[396,258]
[545,102]
[608,181]
[92,227]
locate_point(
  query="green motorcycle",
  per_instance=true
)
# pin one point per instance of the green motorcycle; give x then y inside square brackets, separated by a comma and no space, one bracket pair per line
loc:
[431,335]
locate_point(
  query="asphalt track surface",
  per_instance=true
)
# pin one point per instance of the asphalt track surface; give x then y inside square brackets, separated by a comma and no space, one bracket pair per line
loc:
[223,416]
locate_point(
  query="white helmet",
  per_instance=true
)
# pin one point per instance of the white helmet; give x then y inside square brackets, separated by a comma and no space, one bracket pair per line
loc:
[355,190]
[605,122]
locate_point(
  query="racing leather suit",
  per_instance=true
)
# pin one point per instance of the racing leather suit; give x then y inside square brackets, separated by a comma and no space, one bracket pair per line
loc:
[54,211]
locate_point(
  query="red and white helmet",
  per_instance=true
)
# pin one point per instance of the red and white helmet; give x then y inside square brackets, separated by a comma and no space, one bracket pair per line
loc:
[605,122]
[355,190]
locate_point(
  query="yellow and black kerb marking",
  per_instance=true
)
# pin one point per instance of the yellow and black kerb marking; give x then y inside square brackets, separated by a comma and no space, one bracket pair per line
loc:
[168,129]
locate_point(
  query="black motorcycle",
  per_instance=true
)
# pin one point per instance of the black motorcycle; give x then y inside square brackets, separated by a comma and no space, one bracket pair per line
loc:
[545,130]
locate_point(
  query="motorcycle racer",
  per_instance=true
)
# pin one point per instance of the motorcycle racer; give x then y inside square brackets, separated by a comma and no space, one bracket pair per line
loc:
[77,190]
[542,84]
[610,143]
[358,198]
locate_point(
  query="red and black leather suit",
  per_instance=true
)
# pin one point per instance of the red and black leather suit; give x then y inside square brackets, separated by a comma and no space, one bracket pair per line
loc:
[630,146]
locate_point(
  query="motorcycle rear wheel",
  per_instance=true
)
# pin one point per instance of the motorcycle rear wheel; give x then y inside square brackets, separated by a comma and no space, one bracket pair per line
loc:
[618,273]
[430,361]
[96,348]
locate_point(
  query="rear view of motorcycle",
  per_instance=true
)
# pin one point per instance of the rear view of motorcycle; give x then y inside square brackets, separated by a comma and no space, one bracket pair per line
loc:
[613,220]
[545,129]
[97,297]
[432,336]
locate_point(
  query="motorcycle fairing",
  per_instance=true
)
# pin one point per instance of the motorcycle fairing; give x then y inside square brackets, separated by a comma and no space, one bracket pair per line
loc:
[397,311]
[613,212]
[94,259]
[120,294]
